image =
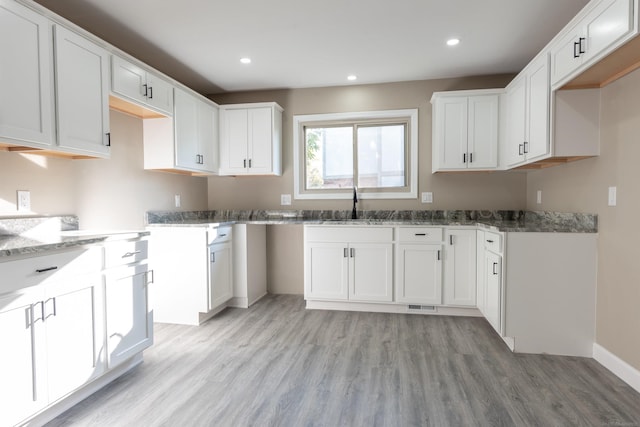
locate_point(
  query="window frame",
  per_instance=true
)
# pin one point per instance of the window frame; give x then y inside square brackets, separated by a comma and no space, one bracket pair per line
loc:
[365,118]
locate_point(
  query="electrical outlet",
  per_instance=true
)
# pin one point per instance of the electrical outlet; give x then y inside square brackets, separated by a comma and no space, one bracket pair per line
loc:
[427,197]
[285,199]
[539,197]
[612,196]
[178,201]
[24,201]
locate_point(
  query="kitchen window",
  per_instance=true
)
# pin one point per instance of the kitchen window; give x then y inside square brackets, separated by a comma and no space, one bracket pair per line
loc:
[374,151]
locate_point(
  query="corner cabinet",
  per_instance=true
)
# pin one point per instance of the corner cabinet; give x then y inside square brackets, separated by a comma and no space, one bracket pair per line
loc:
[465,130]
[251,139]
[526,115]
[26,107]
[188,141]
[82,94]
[140,86]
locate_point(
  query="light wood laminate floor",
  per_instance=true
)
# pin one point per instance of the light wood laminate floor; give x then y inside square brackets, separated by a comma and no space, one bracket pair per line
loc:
[277,364]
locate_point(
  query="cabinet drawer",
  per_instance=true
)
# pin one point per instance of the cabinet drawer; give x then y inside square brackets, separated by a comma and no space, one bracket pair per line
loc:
[493,242]
[40,270]
[122,253]
[349,234]
[419,235]
[219,234]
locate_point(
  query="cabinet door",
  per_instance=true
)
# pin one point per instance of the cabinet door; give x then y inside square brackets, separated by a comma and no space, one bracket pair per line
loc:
[460,268]
[565,56]
[128,80]
[220,281]
[516,118]
[260,148]
[326,271]
[538,112]
[419,270]
[82,94]
[451,132]
[371,272]
[186,130]
[159,94]
[234,140]
[22,359]
[607,24]
[75,334]
[207,137]
[493,290]
[482,144]
[129,322]
[26,109]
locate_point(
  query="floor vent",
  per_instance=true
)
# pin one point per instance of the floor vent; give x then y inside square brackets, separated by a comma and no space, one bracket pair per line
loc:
[422,307]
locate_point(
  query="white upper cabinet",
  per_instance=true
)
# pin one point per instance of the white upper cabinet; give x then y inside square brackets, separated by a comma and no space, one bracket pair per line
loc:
[465,130]
[590,38]
[82,94]
[26,107]
[186,142]
[251,139]
[526,113]
[136,84]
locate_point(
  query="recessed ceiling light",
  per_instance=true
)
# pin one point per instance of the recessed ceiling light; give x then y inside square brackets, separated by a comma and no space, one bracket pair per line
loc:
[352,77]
[453,42]
[245,60]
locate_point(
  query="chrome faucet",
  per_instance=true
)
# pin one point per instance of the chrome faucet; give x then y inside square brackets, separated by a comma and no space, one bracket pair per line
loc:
[354,212]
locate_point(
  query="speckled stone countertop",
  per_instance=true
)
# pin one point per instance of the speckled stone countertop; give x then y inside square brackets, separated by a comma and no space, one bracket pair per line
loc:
[33,235]
[502,220]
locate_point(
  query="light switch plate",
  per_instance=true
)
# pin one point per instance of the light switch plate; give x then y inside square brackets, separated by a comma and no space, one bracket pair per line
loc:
[24,201]
[612,196]
[178,201]
[539,197]
[427,197]
[285,199]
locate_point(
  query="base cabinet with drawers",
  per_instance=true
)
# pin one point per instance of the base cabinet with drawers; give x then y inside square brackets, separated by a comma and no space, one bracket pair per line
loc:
[54,312]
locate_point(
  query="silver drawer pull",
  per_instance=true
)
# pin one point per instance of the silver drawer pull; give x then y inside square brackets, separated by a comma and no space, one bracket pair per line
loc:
[130,254]
[42,270]
[223,235]
[421,234]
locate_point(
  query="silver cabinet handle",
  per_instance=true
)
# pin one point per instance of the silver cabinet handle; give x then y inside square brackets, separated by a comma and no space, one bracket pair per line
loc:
[345,253]
[130,254]
[451,239]
[495,264]
[353,253]
[438,255]
[213,257]
[489,241]
[420,234]
[42,270]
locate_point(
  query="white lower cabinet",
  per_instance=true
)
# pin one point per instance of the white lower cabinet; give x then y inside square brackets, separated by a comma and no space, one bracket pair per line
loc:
[460,268]
[419,265]
[349,263]
[129,323]
[490,299]
[194,283]
[54,311]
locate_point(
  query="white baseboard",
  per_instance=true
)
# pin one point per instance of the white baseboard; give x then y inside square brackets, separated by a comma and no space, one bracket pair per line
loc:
[619,367]
[391,308]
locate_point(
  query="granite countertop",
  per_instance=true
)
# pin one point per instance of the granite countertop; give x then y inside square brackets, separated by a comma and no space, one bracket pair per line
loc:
[23,236]
[505,221]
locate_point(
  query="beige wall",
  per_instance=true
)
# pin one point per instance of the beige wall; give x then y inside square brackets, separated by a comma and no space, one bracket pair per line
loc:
[105,194]
[451,191]
[582,187]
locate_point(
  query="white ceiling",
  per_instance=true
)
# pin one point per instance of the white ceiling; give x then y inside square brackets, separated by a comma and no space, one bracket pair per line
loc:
[312,43]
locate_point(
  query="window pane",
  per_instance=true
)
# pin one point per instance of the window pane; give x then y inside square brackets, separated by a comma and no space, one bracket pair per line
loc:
[329,157]
[381,156]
